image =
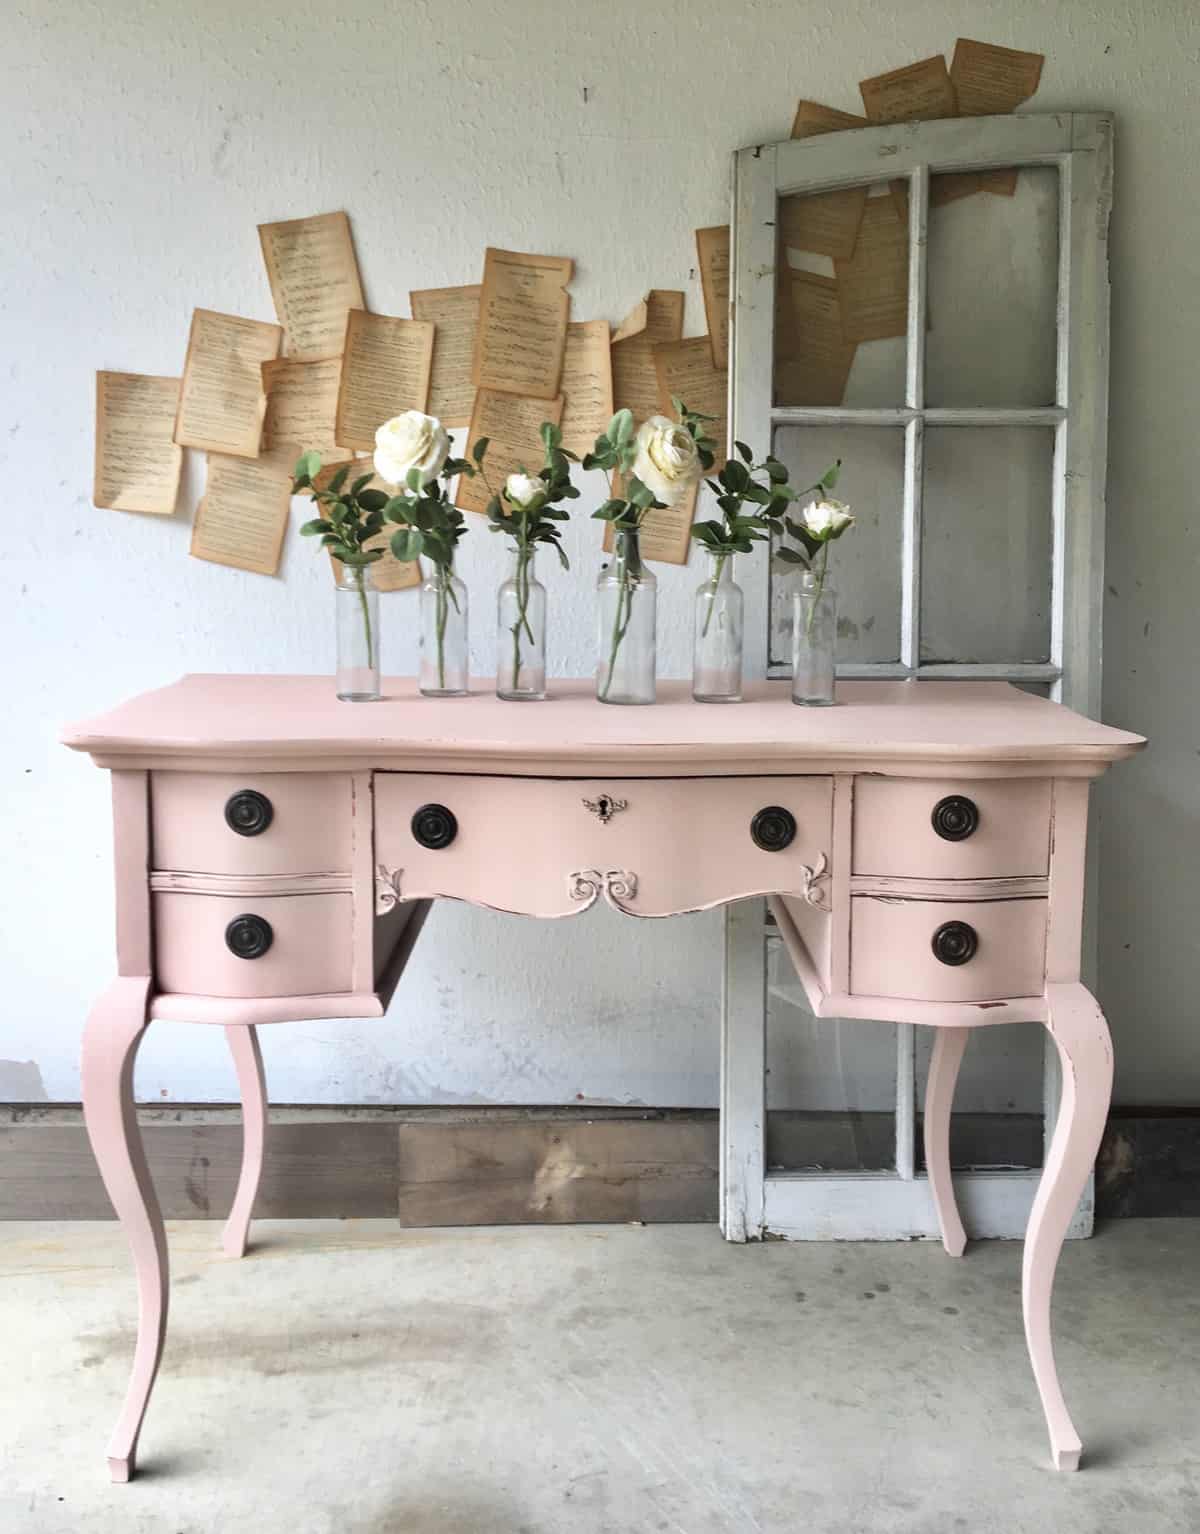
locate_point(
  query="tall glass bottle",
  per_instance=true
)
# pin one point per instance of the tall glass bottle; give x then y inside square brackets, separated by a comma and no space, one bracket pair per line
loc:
[356,606]
[626,606]
[814,639]
[521,630]
[444,654]
[717,635]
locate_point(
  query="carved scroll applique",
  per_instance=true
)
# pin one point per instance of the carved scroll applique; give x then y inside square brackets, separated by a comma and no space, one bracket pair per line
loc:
[814,882]
[617,885]
[387,889]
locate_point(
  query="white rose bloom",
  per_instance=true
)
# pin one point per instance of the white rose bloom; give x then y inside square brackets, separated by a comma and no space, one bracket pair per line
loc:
[410,441]
[668,461]
[828,519]
[525,491]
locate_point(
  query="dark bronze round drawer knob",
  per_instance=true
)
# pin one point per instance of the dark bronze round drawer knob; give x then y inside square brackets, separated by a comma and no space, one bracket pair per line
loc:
[434,826]
[955,818]
[249,936]
[955,942]
[248,812]
[773,828]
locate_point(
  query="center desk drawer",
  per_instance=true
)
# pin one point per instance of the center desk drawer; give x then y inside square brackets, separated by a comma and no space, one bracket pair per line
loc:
[549,846]
[928,828]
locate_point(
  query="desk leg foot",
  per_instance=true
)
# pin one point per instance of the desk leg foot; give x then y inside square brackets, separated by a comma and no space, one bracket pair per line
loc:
[948,1046]
[1081,1036]
[252,1082]
[110,1044]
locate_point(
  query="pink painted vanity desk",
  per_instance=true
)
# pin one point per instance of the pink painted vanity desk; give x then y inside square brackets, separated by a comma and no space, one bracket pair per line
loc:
[922,846]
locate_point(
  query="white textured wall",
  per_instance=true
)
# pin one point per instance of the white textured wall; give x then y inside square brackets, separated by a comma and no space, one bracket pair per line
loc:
[144,142]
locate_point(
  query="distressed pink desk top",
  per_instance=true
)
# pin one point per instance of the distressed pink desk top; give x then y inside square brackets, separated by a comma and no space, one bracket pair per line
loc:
[295,721]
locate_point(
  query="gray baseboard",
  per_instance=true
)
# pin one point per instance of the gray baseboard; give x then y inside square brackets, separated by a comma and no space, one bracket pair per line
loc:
[489,1166]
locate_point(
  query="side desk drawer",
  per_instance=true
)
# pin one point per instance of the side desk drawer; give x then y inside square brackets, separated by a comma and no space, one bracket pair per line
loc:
[921,828]
[252,945]
[947,950]
[256,823]
[658,845]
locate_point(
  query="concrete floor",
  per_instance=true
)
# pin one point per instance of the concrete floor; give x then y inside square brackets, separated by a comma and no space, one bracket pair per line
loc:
[353,1377]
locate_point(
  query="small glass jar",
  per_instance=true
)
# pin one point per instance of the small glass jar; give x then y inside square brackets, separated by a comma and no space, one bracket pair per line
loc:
[521,631]
[717,635]
[444,656]
[814,639]
[626,607]
[356,604]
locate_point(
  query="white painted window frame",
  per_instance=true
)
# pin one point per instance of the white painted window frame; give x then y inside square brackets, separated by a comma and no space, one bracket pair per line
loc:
[897,1205]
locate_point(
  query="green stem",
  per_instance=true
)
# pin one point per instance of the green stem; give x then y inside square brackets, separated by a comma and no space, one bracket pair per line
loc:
[716,581]
[366,613]
[620,620]
[812,610]
[524,561]
[443,612]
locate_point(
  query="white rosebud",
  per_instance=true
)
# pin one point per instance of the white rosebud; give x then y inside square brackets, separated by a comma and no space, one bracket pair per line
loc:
[410,441]
[667,461]
[525,491]
[828,519]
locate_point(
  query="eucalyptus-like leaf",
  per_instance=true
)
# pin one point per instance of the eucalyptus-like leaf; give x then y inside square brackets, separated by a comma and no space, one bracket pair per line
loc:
[480,448]
[339,479]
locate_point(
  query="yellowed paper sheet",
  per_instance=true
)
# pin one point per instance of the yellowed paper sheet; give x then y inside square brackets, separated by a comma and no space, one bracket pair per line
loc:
[386,363]
[917,91]
[301,405]
[388,573]
[666,535]
[137,461]
[512,424]
[454,314]
[656,319]
[712,254]
[587,385]
[991,80]
[243,513]
[824,222]
[523,314]
[221,399]
[685,370]
[314,279]
[814,365]
[812,117]
[873,284]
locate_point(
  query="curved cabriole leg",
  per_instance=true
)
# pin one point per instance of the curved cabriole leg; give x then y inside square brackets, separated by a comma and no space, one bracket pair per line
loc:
[948,1046]
[1081,1035]
[252,1082]
[110,1044]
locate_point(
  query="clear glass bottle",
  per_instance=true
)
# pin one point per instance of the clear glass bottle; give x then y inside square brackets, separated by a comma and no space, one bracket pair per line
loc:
[521,630]
[717,636]
[626,608]
[356,604]
[444,654]
[814,638]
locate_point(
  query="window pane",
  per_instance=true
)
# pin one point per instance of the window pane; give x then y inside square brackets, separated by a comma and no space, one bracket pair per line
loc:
[986,543]
[865,563]
[841,298]
[997,1119]
[831,1085]
[992,251]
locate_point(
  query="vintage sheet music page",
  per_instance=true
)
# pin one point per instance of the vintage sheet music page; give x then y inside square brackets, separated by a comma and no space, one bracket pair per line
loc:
[243,513]
[301,405]
[388,573]
[873,284]
[314,279]
[221,399]
[587,385]
[814,358]
[512,424]
[137,461]
[712,255]
[813,117]
[666,535]
[824,222]
[523,314]
[919,91]
[454,314]
[989,80]
[656,319]
[386,363]
[685,370]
